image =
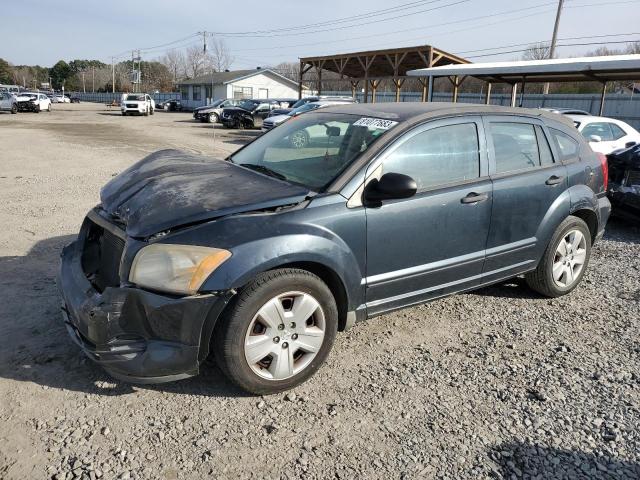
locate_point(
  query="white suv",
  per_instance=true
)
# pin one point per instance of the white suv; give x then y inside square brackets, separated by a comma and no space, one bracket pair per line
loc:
[137,103]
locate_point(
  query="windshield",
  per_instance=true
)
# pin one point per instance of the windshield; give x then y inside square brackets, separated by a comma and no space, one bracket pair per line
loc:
[312,150]
[30,95]
[307,107]
[135,97]
[302,101]
[247,104]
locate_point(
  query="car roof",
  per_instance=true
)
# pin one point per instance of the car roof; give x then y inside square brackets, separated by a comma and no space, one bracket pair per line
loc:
[406,111]
[592,118]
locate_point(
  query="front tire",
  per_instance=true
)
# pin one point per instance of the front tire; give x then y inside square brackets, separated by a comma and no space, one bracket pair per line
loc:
[151,112]
[49,108]
[564,261]
[14,109]
[212,118]
[278,331]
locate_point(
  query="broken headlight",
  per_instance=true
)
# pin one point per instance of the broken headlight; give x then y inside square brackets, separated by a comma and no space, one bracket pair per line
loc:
[175,268]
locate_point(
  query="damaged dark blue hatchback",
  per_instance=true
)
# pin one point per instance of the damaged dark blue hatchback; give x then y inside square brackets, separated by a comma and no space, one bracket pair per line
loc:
[335,216]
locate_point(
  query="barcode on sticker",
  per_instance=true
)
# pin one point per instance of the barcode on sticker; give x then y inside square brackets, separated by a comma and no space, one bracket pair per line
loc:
[375,123]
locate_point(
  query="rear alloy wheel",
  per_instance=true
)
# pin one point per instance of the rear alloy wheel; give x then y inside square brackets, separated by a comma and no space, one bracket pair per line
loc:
[212,118]
[278,333]
[299,139]
[565,259]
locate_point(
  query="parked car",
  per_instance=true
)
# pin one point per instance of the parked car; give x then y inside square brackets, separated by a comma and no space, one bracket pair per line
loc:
[211,113]
[305,100]
[248,113]
[8,102]
[605,134]
[261,258]
[624,184]
[172,105]
[15,89]
[137,104]
[273,121]
[33,102]
[566,111]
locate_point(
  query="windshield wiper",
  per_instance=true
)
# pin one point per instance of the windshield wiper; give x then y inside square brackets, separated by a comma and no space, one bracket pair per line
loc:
[263,169]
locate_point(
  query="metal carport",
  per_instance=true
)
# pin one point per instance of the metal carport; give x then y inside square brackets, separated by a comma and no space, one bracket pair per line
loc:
[584,69]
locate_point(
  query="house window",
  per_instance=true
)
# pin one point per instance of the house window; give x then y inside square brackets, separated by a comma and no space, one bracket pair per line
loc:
[196,92]
[184,93]
[242,92]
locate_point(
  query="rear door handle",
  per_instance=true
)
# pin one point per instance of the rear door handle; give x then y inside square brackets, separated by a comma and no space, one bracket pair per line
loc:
[554,180]
[474,197]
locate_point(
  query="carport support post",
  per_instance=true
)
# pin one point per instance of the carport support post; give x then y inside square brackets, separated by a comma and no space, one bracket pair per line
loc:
[604,92]
[300,74]
[430,90]
[514,93]
[455,89]
[487,100]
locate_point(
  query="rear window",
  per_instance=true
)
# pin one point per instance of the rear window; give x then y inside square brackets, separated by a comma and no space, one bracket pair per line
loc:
[515,146]
[566,146]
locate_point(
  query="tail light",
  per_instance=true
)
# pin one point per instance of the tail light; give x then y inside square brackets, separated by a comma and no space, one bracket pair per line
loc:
[605,169]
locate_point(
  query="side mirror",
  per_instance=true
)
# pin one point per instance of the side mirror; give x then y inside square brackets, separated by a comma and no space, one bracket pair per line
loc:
[390,186]
[629,144]
[595,138]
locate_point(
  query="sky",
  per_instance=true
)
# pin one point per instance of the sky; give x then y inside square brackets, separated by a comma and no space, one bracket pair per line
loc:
[90,29]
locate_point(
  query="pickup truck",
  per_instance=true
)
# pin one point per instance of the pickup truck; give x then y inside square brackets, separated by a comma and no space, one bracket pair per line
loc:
[137,103]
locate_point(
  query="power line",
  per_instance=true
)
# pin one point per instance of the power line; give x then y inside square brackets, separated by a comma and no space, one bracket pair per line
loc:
[371,14]
[559,45]
[252,35]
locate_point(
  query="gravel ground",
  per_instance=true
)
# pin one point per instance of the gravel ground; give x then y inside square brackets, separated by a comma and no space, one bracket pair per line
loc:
[498,383]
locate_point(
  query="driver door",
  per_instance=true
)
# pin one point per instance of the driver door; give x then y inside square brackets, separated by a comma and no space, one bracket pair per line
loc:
[434,242]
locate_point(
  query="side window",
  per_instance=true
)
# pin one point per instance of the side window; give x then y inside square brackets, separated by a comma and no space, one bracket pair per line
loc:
[618,132]
[515,146]
[546,157]
[438,156]
[566,145]
[601,129]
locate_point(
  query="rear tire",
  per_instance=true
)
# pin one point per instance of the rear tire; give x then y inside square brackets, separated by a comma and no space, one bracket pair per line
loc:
[247,327]
[565,259]
[151,112]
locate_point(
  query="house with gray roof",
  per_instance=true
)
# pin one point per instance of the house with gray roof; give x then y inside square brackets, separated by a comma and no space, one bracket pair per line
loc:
[238,84]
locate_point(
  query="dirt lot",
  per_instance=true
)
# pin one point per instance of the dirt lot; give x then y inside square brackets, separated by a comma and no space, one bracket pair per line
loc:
[496,383]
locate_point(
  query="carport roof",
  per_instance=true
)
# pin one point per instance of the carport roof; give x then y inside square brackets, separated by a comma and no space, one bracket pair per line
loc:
[602,69]
[220,78]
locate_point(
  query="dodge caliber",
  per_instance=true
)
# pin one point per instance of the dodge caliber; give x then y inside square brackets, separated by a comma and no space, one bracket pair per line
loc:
[260,259]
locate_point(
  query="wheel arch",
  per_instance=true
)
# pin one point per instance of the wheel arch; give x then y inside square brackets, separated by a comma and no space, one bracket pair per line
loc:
[590,218]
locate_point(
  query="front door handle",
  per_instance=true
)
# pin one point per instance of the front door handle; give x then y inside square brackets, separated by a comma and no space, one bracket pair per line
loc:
[474,197]
[554,180]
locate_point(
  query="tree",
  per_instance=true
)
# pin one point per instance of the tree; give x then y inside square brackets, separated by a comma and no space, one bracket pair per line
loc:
[538,51]
[6,72]
[633,48]
[175,62]
[220,58]
[195,60]
[60,72]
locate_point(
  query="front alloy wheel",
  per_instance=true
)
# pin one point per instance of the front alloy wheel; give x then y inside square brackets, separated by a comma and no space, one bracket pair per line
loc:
[277,331]
[285,335]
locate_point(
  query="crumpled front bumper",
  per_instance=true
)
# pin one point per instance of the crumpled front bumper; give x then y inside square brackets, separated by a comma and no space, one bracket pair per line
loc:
[137,336]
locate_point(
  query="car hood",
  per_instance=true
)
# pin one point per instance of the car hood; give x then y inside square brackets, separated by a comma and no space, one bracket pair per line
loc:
[277,119]
[236,109]
[170,188]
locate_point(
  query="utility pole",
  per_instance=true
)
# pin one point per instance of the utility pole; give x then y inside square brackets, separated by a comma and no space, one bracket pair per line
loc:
[84,89]
[93,79]
[113,76]
[554,37]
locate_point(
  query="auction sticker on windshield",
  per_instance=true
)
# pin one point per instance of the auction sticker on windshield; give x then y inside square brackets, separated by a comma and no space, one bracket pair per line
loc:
[378,123]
